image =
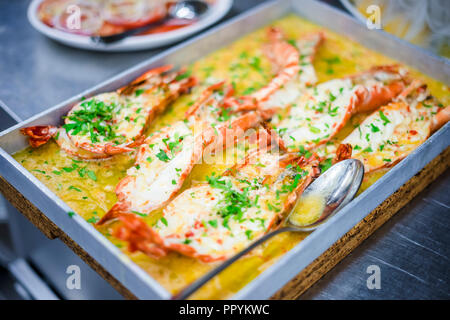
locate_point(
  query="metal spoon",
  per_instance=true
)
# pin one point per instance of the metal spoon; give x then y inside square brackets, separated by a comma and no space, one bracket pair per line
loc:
[337,186]
[185,10]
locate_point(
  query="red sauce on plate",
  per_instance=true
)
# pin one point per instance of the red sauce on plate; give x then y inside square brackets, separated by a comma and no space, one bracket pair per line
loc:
[106,18]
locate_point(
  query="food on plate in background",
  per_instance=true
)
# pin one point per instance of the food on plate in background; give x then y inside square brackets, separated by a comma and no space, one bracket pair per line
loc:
[103,18]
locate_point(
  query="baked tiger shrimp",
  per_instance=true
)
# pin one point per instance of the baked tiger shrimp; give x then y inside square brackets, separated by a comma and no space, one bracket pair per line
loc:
[322,111]
[215,120]
[214,220]
[389,134]
[167,157]
[114,122]
[293,63]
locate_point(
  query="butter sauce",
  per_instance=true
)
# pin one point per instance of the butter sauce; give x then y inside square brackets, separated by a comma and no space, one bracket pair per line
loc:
[308,210]
[244,65]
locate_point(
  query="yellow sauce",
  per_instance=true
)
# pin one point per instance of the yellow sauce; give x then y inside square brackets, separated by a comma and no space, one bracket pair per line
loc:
[308,210]
[236,63]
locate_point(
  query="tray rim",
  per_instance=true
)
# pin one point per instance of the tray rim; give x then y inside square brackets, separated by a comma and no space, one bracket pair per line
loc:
[253,288]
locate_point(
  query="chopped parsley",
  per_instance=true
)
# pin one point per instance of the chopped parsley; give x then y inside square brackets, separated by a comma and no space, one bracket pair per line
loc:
[213,223]
[93,118]
[184,75]
[164,221]
[233,203]
[248,91]
[384,118]
[138,92]
[91,175]
[332,97]
[93,219]
[75,188]
[374,128]
[325,165]
[139,213]
[314,129]
[162,155]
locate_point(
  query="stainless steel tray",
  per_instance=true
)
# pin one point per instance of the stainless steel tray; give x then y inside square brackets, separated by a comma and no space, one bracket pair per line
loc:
[272,279]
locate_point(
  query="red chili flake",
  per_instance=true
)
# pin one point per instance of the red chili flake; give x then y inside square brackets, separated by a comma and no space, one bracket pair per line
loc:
[198,224]
[413,132]
[189,234]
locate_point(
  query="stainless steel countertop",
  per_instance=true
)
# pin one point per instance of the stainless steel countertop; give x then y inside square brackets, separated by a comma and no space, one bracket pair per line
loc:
[412,250]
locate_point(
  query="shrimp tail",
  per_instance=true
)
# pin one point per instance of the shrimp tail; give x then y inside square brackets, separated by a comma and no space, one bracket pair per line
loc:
[205,95]
[343,152]
[139,236]
[144,77]
[370,97]
[39,135]
[115,212]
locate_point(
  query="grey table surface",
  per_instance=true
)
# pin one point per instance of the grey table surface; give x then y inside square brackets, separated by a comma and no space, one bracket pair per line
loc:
[412,250]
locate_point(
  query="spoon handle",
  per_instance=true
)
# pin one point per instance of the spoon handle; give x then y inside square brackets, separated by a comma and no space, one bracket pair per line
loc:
[197,284]
[120,36]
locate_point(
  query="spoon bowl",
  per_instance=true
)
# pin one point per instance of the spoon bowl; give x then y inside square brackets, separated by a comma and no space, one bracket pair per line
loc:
[336,187]
[188,10]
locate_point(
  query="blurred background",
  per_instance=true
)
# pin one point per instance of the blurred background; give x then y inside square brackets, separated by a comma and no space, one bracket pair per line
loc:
[36,72]
[423,23]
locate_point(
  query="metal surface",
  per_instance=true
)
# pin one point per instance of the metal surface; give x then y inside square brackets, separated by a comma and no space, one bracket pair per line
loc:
[290,264]
[412,251]
[34,285]
[7,119]
[55,259]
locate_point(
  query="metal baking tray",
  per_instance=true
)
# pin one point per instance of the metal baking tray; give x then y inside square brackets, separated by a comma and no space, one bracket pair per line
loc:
[272,279]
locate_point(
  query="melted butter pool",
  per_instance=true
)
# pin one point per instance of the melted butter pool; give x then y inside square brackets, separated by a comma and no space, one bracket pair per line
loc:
[308,210]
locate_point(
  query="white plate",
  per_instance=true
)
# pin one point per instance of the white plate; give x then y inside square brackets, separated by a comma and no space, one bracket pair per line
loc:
[216,12]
